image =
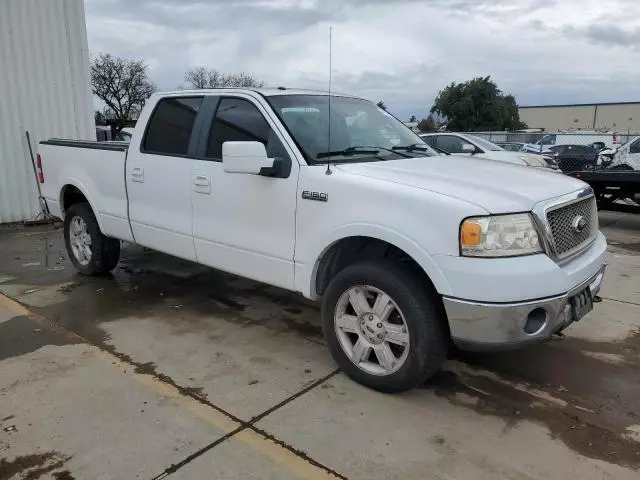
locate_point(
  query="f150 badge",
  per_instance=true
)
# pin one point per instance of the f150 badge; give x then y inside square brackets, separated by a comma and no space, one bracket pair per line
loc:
[317,196]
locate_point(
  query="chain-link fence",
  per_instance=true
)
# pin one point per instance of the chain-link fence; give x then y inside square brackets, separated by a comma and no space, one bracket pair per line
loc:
[559,138]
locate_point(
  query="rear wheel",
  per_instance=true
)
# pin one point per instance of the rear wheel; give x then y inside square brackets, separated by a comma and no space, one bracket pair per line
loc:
[383,326]
[89,250]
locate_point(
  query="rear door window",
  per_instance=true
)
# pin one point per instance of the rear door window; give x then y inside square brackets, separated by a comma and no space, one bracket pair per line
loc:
[171,125]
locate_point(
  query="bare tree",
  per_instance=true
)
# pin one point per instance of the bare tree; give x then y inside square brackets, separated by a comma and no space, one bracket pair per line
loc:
[204,77]
[123,85]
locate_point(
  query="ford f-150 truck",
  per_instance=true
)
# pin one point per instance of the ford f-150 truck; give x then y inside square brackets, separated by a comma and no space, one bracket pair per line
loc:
[409,251]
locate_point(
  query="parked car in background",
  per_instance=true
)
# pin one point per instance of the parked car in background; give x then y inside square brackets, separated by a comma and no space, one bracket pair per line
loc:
[511,146]
[466,144]
[572,158]
[103,133]
[572,138]
[124,135]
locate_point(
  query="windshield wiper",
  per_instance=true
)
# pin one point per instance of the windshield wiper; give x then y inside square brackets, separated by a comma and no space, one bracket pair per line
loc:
[440,150]
[360,149]
[414,146]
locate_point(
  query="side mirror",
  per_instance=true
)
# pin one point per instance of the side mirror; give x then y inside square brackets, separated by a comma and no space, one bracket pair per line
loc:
[247,157]
[468,148]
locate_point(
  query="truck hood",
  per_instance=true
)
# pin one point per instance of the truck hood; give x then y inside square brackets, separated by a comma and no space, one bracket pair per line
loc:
[497,187]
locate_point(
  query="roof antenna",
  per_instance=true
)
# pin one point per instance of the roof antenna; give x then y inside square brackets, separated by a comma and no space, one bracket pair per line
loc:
[328,171]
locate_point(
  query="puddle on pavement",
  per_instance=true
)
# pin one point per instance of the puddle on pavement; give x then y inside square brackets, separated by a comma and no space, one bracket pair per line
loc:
[21,335]
[146,284]
[487,397]
[586,402]
[602,397]
[34,466]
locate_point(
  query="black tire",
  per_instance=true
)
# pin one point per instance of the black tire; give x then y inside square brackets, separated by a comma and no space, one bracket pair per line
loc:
[105,251]
[428,334]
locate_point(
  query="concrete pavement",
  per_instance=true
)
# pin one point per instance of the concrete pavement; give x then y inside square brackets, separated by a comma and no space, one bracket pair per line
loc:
[168,369]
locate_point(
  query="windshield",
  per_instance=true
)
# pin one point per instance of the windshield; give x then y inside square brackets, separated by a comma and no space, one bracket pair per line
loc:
[485,145]
[358,127]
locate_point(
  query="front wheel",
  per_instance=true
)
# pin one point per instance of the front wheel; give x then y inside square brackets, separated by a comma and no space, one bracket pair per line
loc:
[89,250]
[383,326]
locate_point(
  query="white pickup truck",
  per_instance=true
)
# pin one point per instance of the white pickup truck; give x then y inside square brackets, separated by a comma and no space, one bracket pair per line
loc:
[409,251]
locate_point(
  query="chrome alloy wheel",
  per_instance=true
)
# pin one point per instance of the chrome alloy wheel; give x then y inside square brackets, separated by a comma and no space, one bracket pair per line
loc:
[80,241]
[371,330]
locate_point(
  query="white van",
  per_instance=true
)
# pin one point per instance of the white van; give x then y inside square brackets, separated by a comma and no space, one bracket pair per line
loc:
[582,137]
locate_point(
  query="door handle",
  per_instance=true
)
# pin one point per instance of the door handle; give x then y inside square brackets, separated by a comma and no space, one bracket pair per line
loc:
[137,174]
[201,181]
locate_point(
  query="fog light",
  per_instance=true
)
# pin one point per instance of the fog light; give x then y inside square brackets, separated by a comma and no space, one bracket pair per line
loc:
[536,321]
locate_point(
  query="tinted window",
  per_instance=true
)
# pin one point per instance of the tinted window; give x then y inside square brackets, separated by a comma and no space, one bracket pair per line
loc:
[239,120]
[635,147]
[450,143]
[430,141]
[170,126]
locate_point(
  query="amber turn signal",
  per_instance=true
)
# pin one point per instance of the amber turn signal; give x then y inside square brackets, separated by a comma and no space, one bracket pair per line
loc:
[470,233]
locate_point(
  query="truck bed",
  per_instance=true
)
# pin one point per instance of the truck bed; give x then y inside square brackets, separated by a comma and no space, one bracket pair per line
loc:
[62,142]
[97,169]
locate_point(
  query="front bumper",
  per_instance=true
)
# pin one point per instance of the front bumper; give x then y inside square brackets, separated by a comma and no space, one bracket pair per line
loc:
[494,326]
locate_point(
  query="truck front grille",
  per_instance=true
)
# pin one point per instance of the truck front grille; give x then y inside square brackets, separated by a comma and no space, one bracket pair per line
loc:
[565,222]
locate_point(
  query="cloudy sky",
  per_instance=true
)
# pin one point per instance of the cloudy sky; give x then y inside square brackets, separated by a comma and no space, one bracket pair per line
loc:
[400,51]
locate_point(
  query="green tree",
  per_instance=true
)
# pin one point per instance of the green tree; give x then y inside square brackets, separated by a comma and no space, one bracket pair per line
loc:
[381,105]
[428,124]
[477,105]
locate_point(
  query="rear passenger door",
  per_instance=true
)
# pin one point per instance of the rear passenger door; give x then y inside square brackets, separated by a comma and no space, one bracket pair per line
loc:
[159,177]
[245,224]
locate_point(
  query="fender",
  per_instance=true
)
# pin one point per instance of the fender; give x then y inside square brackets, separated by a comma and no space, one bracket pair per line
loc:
[305,273]
[85,191]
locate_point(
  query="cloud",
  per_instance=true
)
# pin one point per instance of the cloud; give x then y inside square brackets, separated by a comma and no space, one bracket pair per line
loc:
[400,51]
[613,35]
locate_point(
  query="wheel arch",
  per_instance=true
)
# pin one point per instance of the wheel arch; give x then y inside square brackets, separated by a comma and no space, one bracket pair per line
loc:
[74,192]
[359,239]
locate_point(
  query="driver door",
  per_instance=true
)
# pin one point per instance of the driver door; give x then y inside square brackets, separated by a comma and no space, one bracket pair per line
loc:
[244,224]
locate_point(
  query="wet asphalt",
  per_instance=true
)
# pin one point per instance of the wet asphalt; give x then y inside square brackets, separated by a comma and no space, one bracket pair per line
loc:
[582,388]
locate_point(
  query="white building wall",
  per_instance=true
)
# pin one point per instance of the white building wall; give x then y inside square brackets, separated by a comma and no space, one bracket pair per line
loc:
[44,88]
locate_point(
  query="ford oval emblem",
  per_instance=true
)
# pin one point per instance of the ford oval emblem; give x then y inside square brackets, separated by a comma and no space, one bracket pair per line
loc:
[579,224]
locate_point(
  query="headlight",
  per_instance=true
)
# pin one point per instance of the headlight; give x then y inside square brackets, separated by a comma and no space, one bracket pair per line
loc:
[499,236]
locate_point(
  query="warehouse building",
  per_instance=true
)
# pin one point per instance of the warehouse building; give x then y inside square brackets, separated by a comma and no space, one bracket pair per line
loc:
[617,117]
[44,88]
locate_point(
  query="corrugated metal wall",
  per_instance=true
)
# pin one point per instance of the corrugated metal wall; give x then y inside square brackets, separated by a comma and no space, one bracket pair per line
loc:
[44,88]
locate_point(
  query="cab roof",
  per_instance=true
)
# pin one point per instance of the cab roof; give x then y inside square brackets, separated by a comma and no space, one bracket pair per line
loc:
[264,91]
